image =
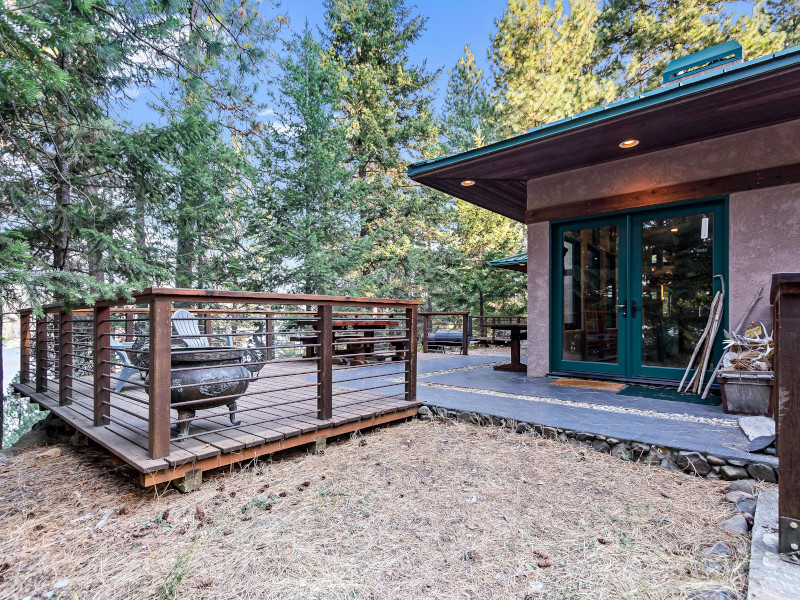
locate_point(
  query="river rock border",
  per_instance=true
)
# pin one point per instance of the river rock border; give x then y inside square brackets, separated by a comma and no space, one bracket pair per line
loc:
[673,459]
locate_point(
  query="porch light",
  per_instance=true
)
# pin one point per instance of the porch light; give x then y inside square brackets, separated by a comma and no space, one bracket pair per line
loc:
[629,143]
[467,182]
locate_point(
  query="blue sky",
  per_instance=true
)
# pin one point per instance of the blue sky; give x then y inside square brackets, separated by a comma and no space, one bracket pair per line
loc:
[451,24]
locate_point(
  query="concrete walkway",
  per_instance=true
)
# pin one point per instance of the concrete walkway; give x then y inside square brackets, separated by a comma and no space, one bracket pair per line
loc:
[475,386]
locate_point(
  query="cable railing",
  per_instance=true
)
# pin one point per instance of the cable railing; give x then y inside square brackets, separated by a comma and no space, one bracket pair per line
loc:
[173,366]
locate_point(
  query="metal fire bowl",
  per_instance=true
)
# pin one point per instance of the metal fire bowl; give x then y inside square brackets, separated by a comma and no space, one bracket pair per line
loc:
[221,379]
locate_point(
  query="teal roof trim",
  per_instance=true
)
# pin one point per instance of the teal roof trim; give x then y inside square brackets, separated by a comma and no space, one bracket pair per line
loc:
[510,260]
[736,72]
[705,59]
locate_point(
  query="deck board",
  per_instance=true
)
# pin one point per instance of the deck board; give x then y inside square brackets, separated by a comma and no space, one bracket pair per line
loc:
[279,406]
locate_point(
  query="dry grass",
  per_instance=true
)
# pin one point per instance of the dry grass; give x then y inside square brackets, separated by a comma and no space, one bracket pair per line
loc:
[418,510]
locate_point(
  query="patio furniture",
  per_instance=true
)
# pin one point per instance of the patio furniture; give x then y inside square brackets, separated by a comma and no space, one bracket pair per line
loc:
[356,341]
[519,332]
[453,338]
[186,325]
[128,370]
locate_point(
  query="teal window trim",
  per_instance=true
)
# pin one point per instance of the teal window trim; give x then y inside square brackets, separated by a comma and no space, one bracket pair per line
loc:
[632,367]
[556,304]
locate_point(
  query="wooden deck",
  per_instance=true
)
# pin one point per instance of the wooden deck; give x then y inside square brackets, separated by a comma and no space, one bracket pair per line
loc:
[272,418]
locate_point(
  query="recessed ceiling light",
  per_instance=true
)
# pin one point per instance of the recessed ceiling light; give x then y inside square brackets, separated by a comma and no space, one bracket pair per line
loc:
[467,182]
[629,143]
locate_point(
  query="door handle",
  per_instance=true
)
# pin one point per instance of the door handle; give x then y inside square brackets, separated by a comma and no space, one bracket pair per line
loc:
[624,307]
[633,309]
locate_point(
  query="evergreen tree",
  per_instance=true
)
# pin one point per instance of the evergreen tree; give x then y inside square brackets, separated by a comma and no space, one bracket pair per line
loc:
[544,58]
[65,67]
[305,219]
[387,104]
[784,17]
[470,117]
[470,120]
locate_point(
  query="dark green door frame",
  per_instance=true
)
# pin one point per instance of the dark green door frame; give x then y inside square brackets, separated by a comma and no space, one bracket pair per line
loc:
[629,344]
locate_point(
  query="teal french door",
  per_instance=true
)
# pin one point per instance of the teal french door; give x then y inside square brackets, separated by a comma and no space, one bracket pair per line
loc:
[631,293]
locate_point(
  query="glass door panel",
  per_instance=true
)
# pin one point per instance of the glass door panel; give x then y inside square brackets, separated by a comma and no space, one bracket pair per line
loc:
[632,293]
[589,274]
[677,286]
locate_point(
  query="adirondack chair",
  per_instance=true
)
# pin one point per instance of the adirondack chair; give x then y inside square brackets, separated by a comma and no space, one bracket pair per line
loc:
[185,324]
[128,371]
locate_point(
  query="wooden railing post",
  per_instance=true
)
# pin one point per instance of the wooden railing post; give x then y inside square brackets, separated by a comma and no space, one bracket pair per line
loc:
[102,366]
[411,355]
[65,358]
[159,378]
[426,325]
[269,329]
[325,354]
[465,333]
[25,347]
[785,297]
[129,327]
[41,353]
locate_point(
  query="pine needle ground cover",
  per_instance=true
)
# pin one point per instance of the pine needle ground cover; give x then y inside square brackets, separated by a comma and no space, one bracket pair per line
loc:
[418,510]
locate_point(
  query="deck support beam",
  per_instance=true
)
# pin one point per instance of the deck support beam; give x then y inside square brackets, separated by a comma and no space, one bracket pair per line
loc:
[411,355]
[41,353]
[785,297]
[65,358]
[25,347]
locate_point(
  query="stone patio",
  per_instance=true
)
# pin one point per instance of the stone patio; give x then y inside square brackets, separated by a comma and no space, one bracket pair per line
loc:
[470,385]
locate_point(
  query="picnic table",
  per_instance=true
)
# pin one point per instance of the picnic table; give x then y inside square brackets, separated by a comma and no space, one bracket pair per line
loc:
[356,335]
[518,332]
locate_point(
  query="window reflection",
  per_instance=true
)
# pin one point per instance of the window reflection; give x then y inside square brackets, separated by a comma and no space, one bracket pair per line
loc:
[677,287]
[590,286]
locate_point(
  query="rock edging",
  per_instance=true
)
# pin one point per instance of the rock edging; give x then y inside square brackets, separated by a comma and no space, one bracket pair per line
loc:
[674,459]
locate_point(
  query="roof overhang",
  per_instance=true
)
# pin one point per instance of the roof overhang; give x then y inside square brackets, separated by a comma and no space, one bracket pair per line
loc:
[746,96]
[517,262]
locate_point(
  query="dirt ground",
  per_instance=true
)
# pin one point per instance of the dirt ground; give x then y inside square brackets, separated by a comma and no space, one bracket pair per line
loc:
[412,511]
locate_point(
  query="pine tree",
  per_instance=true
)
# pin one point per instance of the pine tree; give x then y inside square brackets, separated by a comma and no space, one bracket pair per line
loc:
[544,58]
[784,17]
[387,104]
[304,222]
[470,117]
[478,236]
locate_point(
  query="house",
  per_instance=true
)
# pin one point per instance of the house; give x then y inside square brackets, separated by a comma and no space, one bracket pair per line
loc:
[634,209]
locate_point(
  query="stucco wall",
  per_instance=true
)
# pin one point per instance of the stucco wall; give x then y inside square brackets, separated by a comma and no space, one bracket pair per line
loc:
[764,238]
[764,224]
[763,148]
[538,299]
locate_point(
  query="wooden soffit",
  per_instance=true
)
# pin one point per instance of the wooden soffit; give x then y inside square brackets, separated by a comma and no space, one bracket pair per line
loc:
[769,94]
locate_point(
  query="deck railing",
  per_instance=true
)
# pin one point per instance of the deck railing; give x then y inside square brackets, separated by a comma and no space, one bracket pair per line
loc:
[122,362]
[454,321]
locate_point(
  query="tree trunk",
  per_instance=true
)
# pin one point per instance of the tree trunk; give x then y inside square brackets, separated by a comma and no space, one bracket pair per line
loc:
[2,386]
[480,302]
[63,192]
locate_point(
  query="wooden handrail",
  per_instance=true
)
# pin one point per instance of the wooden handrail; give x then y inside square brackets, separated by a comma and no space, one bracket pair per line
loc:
[214,296]
[86,347]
